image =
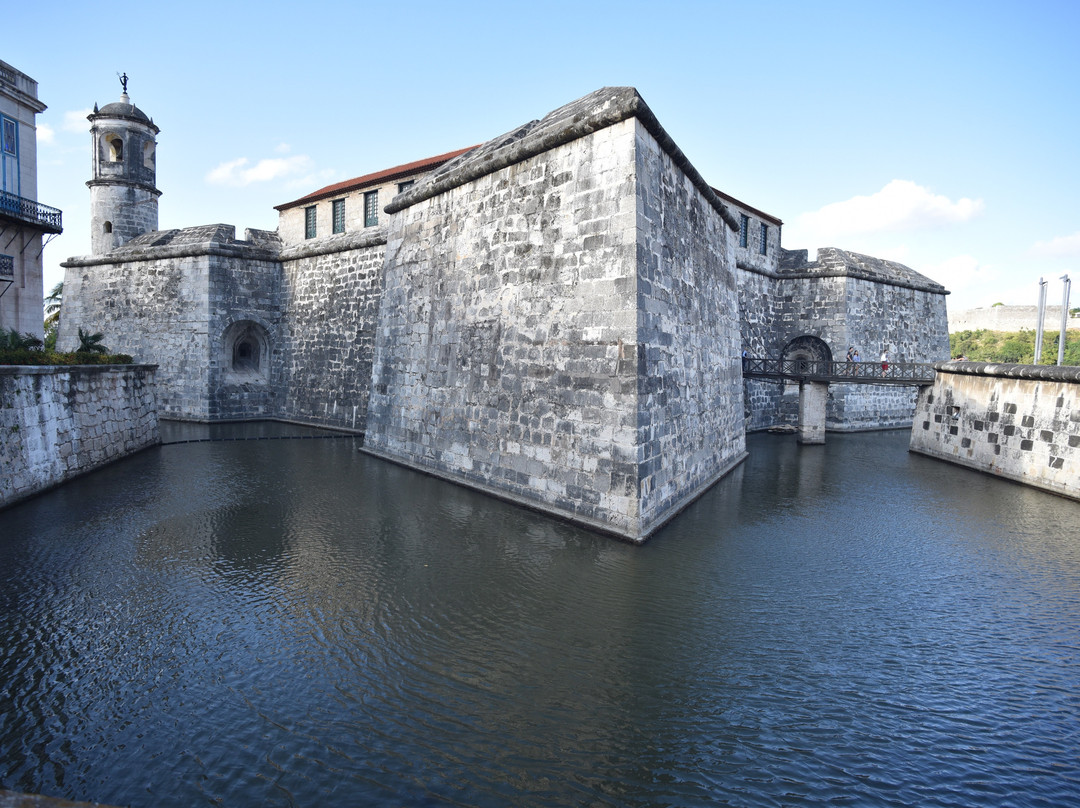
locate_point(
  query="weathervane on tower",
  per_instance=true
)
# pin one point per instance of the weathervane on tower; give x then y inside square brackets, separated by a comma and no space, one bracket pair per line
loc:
[123,81]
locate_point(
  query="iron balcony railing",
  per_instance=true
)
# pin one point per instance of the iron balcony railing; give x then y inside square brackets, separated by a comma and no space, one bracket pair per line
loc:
[818,370]
[41,217]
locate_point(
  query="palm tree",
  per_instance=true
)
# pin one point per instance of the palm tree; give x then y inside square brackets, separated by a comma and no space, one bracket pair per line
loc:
[14,341]
[52,315]
[91,343]
[52,304]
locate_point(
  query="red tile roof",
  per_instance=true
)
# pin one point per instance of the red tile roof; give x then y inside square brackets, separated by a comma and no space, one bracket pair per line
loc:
[744,206]
[374,179]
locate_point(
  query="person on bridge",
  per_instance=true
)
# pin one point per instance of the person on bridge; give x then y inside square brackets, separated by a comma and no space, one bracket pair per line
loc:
[851,353]
[884,362]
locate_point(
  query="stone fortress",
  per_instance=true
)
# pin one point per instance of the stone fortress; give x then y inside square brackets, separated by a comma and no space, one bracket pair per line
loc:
[555,317]
[1010,318]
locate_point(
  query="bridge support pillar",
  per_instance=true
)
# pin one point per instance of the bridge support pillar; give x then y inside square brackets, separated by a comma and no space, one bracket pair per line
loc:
[812,399]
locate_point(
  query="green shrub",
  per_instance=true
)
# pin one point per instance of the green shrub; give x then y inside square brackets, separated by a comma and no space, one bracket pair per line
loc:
[25,356]
[26,349]
[14,341]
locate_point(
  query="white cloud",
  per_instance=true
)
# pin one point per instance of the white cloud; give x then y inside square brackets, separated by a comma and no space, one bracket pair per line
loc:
[973,284]
[45,133]
[283,148]
[75,121]
[315,180]
[1062,246]
[960,273]
[239,172]
[899,206]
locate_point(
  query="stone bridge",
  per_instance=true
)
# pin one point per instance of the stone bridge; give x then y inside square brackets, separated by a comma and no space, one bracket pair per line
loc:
[814,376]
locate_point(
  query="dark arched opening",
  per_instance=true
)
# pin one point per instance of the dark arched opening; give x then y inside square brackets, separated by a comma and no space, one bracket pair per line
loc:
[806,351]
[245,353]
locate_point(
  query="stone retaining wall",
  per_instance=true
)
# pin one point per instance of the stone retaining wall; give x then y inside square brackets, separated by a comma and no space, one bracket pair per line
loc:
[59,422]
[328,328]
[1016,421]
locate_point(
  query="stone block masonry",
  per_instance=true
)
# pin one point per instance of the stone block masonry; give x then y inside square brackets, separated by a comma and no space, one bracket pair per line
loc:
[333,286]
[558,323]
[1021,422]
[1010,318]
[844,300]
[555,316]
[59,422]
[173,298]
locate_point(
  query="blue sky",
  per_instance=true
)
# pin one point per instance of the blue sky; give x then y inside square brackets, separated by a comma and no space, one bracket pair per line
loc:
[940,134]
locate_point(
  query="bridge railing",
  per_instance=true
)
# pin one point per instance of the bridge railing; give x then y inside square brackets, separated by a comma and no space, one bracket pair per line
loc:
[820,370]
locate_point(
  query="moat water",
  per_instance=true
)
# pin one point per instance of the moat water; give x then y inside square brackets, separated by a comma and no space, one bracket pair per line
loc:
[291,622]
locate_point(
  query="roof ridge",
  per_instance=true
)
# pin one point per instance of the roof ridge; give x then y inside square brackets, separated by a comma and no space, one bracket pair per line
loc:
[369,179]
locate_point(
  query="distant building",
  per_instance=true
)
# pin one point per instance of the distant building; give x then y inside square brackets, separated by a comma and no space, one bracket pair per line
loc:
[1009,318]
[23,222]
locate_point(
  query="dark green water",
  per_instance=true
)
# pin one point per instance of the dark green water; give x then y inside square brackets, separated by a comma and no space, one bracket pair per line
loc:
[291,622]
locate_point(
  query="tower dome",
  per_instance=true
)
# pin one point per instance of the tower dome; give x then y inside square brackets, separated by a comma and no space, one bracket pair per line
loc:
[123,190]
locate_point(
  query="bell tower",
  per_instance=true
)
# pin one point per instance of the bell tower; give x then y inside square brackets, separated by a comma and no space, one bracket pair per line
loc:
[123,191]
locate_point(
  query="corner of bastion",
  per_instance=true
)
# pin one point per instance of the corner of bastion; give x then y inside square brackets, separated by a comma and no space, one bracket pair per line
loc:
[559,321]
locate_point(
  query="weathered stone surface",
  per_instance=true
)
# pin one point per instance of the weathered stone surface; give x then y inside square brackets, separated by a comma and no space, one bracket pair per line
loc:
[123,191]
[812,398]
[328,333]
[845,300]
[570,342]
[58,422]
[1014,421]
[172,298]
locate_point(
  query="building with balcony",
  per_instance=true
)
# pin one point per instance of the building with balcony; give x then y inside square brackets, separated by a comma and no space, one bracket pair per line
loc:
[25,225]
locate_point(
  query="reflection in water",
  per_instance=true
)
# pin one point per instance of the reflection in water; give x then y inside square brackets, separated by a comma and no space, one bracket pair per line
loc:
[295,623]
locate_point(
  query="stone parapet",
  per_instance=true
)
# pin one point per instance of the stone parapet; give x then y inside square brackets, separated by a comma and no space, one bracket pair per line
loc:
[1055,373]
[59,422]
[330,245]
[189,242]
[592,113]
[1021,422]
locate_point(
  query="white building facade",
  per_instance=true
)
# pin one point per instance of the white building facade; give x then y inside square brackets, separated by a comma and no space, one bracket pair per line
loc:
[25,224]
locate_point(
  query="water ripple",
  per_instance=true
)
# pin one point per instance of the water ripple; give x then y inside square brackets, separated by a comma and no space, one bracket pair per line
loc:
[294,623]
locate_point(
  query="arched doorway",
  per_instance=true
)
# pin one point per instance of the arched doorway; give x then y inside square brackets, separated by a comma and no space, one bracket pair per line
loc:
[807,349]
[245,353]
[810,355]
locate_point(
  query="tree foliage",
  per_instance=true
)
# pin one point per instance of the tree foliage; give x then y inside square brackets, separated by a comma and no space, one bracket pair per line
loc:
[91,343]
[53,302]
[27,349]
[1014,347]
